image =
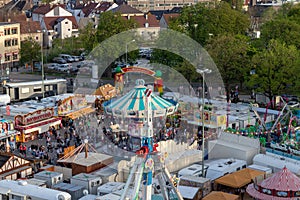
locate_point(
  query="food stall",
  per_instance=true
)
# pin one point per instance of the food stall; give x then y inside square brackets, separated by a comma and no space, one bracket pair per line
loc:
[73,107]
[34,123]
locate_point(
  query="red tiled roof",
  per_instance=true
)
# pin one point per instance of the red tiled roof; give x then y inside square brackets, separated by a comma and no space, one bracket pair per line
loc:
[104,6]
[126,9]
[168,17]
[51,21]
[88,9]
[30,27]
[59,5]
[42,9]
[17,18]
[141,20]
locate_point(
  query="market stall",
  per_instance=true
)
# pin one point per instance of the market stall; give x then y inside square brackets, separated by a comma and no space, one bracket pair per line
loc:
[32,124]
[73,107]
[220,196]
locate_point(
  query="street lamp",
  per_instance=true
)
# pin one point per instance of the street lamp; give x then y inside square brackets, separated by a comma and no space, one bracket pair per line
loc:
[127,50]
[202,72]
[127,77]
[42,64]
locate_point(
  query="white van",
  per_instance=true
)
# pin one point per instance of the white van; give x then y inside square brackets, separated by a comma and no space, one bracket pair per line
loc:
[192,170]
[221,167]
[267,170]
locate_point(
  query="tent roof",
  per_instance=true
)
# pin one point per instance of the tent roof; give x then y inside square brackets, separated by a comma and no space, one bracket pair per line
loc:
[283,180]
[134,101]
[220,196]
[233,181]
[249,173]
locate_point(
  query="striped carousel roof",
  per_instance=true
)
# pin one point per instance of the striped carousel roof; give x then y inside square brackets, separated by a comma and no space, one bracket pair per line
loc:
[135,101]
[283,185]
[283,180]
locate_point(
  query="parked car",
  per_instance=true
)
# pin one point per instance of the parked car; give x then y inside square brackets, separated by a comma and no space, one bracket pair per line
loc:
[67,57]
[64,67]
[59,60]
[52,66]
[76,58]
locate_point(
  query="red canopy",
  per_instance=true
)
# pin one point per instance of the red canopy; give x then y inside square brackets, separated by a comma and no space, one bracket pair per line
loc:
[283,180]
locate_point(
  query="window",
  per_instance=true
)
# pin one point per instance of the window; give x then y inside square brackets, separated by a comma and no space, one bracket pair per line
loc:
[69,29]
[237,169]
[15,56]
[66,22]
[244,166]
[7,43]
[7,58]
[39,90]
[14,42]
[36,38]
[24,90]
[14,31]
[7,31]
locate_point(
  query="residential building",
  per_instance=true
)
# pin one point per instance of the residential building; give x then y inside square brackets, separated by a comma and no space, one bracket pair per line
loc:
[127,11]
[146,5]
[166,18]
[56,22]
[9,47]
[90,12]
[32,30]
[59,27]
[148,25]
[47,11]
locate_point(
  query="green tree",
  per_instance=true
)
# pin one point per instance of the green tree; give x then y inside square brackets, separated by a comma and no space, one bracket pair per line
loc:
[30,51]
[111,24]
[276,69]
[203,21]
[88,37]
[284,30]
[231,55]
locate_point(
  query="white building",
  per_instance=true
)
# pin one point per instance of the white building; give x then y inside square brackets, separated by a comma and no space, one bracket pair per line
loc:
[22,190]
[56,22]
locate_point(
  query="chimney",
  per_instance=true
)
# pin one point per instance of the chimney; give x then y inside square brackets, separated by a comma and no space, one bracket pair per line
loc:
[8,20]
[146,16]
[146,25]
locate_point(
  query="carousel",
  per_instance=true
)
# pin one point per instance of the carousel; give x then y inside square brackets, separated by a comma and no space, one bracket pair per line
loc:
[283,185]
[138,108]
[131,110]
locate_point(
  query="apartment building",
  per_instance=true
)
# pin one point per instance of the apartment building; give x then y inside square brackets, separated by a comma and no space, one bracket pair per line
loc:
[9,47]
[148,5]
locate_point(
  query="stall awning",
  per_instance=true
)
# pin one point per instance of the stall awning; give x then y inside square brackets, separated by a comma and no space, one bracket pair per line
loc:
[220,196]
[232,180]
[78,113]
[41,126]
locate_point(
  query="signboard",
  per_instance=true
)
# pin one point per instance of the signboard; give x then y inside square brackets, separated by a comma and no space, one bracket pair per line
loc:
[210,118]
[138,70]
[35,116]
